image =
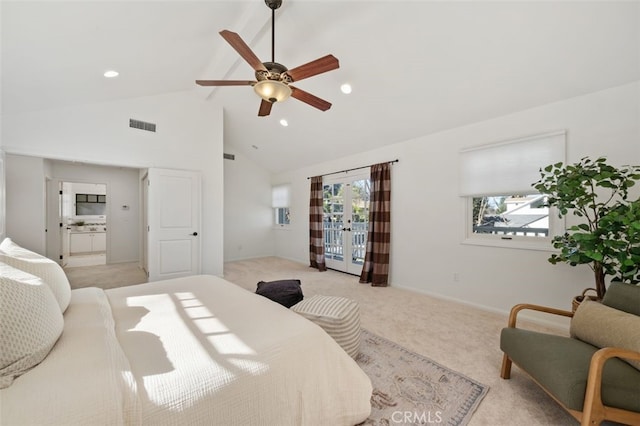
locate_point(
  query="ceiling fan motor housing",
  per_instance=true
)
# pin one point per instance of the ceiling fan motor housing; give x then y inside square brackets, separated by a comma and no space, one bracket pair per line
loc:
[273,4]
[275,71]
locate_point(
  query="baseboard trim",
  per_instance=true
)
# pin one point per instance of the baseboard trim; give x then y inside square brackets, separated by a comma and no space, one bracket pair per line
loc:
[561,325]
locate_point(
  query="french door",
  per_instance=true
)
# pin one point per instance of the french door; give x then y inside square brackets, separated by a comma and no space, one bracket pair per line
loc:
[346,222]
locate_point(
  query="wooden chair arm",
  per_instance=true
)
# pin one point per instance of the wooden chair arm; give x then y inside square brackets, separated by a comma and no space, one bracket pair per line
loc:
[603,355]
[517,308]
[594,410]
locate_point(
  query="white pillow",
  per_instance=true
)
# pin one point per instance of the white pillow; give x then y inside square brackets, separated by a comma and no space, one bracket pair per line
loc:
[40,266]
[30,322]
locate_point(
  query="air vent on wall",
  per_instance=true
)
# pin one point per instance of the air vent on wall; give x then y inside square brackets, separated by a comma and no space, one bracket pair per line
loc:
[229,156]
[142,125]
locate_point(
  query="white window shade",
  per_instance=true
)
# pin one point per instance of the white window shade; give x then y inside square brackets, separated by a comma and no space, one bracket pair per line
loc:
[509,167]
[280,196]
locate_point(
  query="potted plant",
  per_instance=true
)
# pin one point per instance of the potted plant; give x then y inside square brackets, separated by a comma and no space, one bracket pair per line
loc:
[79,225]
[608,237]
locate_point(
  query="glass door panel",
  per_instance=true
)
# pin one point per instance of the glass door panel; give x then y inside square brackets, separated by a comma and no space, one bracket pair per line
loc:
[346,217]
[334,222]
[360,190]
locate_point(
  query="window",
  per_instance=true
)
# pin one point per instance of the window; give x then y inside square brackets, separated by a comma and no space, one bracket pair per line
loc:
[90,204]
[282,215]
[280,202]
[502,208]
[510,215]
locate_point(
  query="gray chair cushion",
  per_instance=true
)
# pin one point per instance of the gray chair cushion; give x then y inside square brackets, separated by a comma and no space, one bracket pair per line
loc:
[625,297]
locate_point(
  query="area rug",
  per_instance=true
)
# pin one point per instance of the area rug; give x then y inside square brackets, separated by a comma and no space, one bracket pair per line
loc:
[409,389]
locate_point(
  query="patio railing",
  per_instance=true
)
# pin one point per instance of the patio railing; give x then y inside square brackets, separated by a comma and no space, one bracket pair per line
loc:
[507,230]
[334,245]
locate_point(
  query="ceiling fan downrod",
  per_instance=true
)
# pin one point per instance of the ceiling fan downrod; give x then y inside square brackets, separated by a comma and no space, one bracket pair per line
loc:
[273,5]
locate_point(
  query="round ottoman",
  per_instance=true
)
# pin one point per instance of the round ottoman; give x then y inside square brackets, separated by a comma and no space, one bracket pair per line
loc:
[338,316]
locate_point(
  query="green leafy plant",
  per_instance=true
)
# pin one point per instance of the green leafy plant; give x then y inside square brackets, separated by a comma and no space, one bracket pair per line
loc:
[608,239]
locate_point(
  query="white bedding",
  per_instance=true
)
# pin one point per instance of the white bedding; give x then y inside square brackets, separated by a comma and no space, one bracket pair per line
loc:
[84,380]
[194,350]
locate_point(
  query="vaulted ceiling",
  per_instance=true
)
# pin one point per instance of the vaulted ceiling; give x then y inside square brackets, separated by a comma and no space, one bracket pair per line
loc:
[416,67]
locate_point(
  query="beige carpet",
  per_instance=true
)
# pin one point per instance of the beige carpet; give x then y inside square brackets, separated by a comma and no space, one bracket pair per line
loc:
[106,276]
[461,338]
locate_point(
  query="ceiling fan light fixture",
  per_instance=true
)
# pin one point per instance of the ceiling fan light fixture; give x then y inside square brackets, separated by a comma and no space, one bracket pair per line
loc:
[272,90]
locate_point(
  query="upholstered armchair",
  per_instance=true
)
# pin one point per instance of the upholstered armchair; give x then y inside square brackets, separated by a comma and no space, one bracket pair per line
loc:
[595,373]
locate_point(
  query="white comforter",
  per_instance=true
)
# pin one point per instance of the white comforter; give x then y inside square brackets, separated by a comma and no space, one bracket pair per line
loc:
[195,350]
[84,380]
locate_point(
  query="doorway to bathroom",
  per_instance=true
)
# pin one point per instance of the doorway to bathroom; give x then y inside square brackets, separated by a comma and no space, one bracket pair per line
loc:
[83,219]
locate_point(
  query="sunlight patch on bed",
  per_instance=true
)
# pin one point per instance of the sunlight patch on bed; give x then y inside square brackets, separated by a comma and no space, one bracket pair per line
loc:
[216,348]
[210,326]
[230,344]
[252,367]
[216,332]
[197,312]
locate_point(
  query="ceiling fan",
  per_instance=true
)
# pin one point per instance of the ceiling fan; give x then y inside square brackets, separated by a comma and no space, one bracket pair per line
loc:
[273,79]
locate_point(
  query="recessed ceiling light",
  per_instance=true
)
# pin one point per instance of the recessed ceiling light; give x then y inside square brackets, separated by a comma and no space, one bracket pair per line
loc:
[111,73]
[346,88]
[284,123]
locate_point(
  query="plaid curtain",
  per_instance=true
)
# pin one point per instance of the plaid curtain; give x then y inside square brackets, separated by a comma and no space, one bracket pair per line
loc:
[376,261]
[316,234]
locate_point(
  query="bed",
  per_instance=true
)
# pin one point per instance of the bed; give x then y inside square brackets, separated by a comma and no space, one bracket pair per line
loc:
[193,350]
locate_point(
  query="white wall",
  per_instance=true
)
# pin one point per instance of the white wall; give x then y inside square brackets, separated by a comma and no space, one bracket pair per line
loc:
[189,136]
[428,214]
[248,216]
[25,192]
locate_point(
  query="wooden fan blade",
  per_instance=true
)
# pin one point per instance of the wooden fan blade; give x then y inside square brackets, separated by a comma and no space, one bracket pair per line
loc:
[310,99]
[324,64]
[265,108]
[225,82]
[243,49]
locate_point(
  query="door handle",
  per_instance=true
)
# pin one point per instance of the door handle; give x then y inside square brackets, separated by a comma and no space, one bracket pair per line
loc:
[346,229]
[195,234]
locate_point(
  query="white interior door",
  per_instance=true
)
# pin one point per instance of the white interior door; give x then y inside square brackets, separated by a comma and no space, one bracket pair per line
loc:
[173,223]
[346,220]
